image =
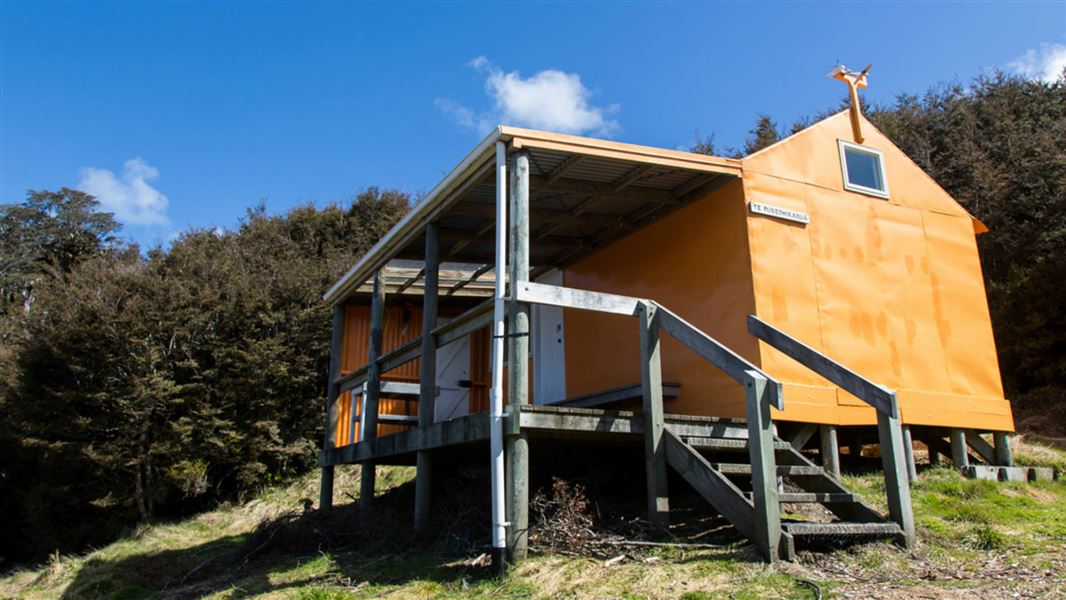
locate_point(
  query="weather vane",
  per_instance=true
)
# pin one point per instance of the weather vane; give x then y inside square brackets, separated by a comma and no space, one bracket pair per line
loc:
[855,80]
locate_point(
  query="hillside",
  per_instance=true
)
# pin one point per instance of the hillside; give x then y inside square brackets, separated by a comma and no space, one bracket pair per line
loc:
[977,540]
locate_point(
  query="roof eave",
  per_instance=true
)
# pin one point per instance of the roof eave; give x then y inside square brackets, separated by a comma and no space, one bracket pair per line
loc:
[379,253]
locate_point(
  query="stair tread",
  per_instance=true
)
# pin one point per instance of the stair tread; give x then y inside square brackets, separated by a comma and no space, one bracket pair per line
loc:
[813,497]
[715,443]
[841,528]
[745,469]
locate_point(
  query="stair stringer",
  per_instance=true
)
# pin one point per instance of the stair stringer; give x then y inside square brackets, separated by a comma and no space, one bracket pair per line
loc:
[717,490]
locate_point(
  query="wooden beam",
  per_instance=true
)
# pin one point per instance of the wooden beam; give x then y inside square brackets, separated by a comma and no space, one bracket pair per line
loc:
[803,435]
[485,268]
[372,391]
[427,393]
[572,161]
[715,488]
[595,421]
[897,485]
[908,454]
[983,449]
[716,353]
[400,388]
[959,454]
[461,430]
[404,354]
[651,370]
[631,177]
[480,209]
[757,394]
[325,496]
[830,450]
[1004,456]
[862,388]
[554,295]
[696,183]
[604,190]
[516,448]
[470,321]
[626,392]
[411,281]
[467,237]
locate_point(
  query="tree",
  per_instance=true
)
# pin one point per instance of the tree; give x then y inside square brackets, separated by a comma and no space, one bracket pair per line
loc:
[762,135]
[49,232]
[154,385]
[703,145]
[998,146]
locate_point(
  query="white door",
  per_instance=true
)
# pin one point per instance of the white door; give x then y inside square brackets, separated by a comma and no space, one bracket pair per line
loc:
[453,380]
[549,347]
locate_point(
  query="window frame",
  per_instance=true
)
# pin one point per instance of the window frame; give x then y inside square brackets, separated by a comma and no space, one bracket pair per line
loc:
[844,146]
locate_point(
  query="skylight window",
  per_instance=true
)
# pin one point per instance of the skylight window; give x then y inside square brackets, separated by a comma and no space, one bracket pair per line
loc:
[864,169]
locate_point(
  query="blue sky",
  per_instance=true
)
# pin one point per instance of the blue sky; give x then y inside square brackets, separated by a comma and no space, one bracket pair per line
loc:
[185,114]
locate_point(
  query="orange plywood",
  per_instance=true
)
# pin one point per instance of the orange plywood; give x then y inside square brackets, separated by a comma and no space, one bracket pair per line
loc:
[694,262]
[891,288]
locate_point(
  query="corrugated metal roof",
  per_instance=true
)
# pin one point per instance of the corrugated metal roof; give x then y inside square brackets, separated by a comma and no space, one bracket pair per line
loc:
[584,194]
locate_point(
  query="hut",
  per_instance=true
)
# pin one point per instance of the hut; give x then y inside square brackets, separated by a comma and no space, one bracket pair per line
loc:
[739,319]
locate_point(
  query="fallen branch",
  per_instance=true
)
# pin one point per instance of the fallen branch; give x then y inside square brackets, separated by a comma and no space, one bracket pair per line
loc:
[660,544]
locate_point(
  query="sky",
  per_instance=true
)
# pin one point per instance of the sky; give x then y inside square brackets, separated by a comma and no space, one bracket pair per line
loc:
[184,114]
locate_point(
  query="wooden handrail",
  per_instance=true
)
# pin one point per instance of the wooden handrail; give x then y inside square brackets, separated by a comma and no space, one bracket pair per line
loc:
[889,427]
[462,325]
[716,353]
[877,396]
[707,347]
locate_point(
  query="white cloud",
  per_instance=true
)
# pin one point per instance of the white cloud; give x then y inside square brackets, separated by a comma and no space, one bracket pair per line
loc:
[1045,63]
[550,99]
[133,200]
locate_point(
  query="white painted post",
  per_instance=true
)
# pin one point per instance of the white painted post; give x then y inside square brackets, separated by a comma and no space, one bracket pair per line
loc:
[499,526]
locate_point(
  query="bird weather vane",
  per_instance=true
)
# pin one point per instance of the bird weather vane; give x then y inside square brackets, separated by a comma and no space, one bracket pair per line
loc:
[855,80]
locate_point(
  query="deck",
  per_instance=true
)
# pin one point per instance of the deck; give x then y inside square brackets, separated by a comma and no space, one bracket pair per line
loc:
[537,421]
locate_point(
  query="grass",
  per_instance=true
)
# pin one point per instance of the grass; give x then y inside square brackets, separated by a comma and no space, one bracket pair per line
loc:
[976,539]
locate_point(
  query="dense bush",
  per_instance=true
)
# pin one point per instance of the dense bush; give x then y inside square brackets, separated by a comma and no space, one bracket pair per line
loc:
[148,386]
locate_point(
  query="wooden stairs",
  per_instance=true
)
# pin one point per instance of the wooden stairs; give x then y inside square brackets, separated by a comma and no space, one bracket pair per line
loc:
[720,470]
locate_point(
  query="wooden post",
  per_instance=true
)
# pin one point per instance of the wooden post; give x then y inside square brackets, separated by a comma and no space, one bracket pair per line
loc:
[516,447]
[427,391]
[830,450]
[959,454]
[372,391]
[1004,456]
[897,486]
[763,466]
[652,383]
[908,454]
[329,442]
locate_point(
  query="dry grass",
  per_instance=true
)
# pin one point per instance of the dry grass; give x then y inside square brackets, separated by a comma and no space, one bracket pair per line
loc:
[976,540]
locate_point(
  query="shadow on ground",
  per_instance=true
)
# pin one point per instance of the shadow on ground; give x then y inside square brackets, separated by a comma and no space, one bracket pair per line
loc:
[294,550]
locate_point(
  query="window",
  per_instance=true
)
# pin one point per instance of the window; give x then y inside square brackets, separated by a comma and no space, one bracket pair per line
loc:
[864,169]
